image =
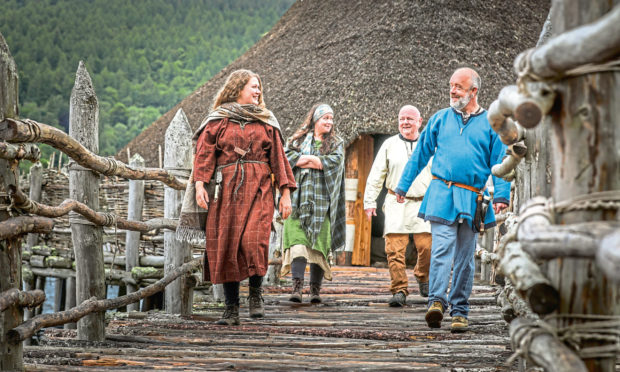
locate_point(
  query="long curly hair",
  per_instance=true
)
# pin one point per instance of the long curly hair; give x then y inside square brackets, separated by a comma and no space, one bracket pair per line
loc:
[307,126]
[233,86]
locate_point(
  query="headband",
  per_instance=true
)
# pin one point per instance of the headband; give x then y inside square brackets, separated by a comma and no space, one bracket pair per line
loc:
[321,111]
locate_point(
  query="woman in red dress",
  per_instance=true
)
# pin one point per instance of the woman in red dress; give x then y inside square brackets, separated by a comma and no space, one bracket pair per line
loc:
[239,146]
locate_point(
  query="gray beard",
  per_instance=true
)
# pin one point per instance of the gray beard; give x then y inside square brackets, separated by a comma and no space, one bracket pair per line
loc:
[460,103]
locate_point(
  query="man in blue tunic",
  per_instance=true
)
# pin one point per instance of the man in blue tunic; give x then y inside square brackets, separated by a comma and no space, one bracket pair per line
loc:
[464,147]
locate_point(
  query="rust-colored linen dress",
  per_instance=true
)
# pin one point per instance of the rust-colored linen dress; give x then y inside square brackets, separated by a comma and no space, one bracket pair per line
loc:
[239,221]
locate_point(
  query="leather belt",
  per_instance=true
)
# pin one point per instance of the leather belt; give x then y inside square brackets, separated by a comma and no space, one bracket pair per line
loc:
[457,184]
[413,198]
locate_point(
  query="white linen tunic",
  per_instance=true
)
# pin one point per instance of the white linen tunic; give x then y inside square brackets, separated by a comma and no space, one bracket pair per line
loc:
[388,166]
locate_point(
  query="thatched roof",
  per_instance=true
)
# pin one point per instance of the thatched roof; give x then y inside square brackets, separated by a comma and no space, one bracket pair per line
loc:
[369,57]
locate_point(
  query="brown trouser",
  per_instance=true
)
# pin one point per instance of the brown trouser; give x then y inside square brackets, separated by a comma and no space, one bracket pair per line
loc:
[396,248]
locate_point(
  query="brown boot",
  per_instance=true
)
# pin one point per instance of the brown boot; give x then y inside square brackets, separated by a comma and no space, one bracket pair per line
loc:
[255,299]
[230,316]
[298,285]
[315,289]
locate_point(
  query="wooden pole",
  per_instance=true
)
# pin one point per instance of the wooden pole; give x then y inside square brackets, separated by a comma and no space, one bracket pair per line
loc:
[84,187]
[584,143]
[26,130]
[10,248]
[543,348]
[134,212]
[92,304]
[177,158]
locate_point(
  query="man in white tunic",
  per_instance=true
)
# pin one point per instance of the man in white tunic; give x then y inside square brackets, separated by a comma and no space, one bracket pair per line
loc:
[401,220]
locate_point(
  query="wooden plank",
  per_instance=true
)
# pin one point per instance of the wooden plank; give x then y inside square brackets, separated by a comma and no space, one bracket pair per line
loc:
[361,250]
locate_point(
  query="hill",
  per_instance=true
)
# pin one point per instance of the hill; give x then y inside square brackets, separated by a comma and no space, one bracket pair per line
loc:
[143,56]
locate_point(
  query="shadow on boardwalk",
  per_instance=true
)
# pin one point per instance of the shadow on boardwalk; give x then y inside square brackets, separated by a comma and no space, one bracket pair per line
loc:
[353,330]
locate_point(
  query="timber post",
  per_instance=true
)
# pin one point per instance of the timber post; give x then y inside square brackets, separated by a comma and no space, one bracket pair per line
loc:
[584,141]
[10,249]
[584,176]
[84,187]
[178,161]
[132,238]
[36,180]
[358,161]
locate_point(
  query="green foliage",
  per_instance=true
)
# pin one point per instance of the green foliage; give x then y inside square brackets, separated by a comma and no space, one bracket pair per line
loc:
[144,56]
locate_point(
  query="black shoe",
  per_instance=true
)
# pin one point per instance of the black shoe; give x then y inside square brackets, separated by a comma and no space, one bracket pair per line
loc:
[398,300]
[315,289]
[298,284]
[230,316]
[255,299]
[423,288]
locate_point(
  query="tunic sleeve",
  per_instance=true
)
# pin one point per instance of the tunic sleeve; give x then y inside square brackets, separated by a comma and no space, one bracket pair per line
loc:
[376,177]
[280,165]
[204,158]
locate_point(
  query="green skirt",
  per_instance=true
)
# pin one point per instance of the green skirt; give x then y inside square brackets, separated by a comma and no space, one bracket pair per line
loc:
[293,235]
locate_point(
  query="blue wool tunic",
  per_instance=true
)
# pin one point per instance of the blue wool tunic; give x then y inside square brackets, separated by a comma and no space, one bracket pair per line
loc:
[463,153]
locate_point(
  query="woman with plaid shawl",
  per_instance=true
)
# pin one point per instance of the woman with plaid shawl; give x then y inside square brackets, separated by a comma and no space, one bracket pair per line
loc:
[317,223]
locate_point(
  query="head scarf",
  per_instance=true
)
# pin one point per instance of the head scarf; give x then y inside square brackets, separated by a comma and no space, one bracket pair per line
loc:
[320,111]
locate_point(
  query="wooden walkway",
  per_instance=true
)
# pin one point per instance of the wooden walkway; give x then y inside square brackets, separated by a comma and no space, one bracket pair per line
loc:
[353,330]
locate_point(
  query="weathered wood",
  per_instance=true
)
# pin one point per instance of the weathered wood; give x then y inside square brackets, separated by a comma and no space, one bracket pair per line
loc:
[26,151]
[16,297]
[584,143]
[515,153]
[70,296]
[17,226]
[509,131]
[543,348]
[134,212]
[275,255]
[84,188]
[34,193]
[93,305]
[10,247]
[578,240]
[177,158]
[97,218]
[608,256]
[353,330]
[359,168]
[595,42]
[26,130]
[528,279]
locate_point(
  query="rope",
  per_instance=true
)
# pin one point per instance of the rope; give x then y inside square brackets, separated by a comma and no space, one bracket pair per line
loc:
[523,336]
[34,130]
[525,73]
[601,328]
[593,201]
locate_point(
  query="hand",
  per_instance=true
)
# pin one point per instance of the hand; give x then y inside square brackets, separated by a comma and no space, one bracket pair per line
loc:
[202,198]
[498,207]
[400,198]
[285,203]
[370,212]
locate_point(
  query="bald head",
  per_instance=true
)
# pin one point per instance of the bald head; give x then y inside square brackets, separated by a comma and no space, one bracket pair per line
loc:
[464,86]
[409,121]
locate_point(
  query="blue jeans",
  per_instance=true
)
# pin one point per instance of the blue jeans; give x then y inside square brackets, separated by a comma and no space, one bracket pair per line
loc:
[452,244]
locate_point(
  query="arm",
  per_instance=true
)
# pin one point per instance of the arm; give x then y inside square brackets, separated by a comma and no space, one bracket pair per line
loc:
[374,182]
[309,161]
[501,196]
[418,160]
